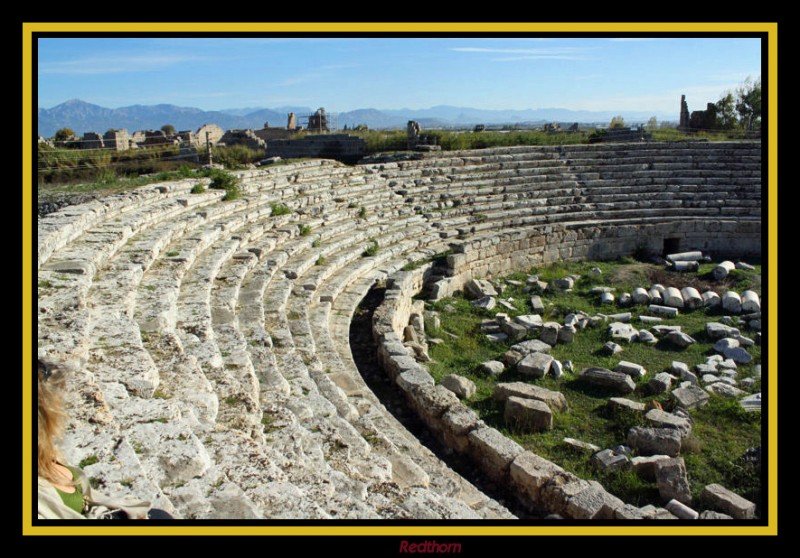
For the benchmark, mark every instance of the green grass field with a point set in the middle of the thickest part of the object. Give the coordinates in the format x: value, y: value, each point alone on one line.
x: 722, y: 431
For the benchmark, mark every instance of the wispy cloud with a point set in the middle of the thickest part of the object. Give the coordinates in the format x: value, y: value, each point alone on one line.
x: 319, y: 72
x: 514, y: 54
x: 633, y: 39
x: 117, y: 64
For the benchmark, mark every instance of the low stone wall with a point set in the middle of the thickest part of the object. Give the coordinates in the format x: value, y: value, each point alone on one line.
x: 542, y: 486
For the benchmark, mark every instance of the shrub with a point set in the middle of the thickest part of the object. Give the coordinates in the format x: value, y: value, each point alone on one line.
x: 305, y: 230
x: 279, y: 209
x: 372, y: 248
x: 362, y: 213
x: 222, y: 180
x: 198, y: 189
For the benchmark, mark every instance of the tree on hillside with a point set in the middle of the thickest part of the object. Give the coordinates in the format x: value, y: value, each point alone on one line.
x: 168, y: 129
x: 64, y: 134
x: 726, y: 113
x: 652, y: 124
x: 748, y: 104
x: 617, y: 122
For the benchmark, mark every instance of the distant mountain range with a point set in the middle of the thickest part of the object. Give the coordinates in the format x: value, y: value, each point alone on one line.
x: 86, y: 117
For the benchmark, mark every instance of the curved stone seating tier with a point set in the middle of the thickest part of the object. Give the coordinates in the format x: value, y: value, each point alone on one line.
x: 217, y: 377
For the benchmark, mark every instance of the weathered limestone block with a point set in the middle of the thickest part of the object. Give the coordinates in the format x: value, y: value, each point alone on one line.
x: 725, y: 390
x: 549, y: 333
x: 530, y: 473
x: 693, y: 256
x: 624, y: 317
x: 744, y: 265
x: 690, y: 397
x: 579, y: 445
x: 732, y: 302
x: 661, y: 382
x: 712, y: 515
x: 738, y: 355
x: 593, y: 503
x: 662, y: 310
x: 531, y: 346
x: 716, y: 330
x: 493, y: 451
x: 531, y: 322
x: 722, y: 270
x: 554, y: 399
x: 673, y: 298
x: 645, y: 465
x: 725, y: 343
x: 751, y: 402
x: 606, y: 461
x: 535, y: 365
x: 479, y: 288
x: 456, y: 424
x: 606, y: 298
x: 529, y: 415
x: 463, y: 387
x: 711, y: 299
x: 679, y: 339
x: 672, y: 480
x: 655, y: 441
x: 636, y: 371
x: 566, y: 334
x: 606, y: 378
x: 620, y: 331
x: 656, y: 296
x: 661, y: 419
x: 681, y: 511
x: 537, y: 306
x: 416, y: 377
x: 514, y: 331
x: 622, y: 404
x: 685, y: 266
x: 646, y: 337
x: 720, y: 498
x: 691, y: 298
x: 487, y: 303
x: 493, y: 368
x: 640, y: 296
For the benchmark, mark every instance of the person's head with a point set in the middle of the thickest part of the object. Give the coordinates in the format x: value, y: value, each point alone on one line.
x: 51, y: 416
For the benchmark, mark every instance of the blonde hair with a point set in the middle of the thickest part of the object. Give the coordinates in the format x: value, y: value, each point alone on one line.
x: 52, y: 419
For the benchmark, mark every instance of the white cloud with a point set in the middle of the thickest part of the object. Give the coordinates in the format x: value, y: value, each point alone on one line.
x: 117, y: 64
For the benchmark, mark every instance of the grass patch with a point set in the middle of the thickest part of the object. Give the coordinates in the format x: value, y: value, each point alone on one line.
x: 371, y: 249
x: 279, y: 209
x: 362, y: 213
x: 198, y: 189
x: 305, y: 230
x: 172, y: 254
x: 317, y: 243
x: 89, y: 460
x: 722, y: 431
x: 320, y: 260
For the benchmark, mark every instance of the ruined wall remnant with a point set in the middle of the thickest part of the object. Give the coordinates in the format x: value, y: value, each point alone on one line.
x: 704, y: 119
x: 244, y: 137
x: 214, y: 132
x: 291, y: 123
x: 684, y: 116
x: 417, y: 140
x: 318, y: 121
x: 117, y: 139
x: 92, y: 140
x: 342, y: 147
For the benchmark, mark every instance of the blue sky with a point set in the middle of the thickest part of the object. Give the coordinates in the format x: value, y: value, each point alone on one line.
x: 343, y: 74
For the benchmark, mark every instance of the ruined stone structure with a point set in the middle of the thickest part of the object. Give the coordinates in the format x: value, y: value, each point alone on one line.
x: 418, y: 141
x: 704, y: 119
x: 211, y: 131
x: 684, y: 116
x: 216, y: 376
x: 157, y: 137
x: 92, y: 140
x: 243, y: 137
x: 117, y: 139
x: 318, y: 122
x: 342, y: 147
x: 291, y: 123
x: 614, y: 135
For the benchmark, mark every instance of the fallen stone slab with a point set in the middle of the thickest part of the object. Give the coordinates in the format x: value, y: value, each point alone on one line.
x: 549, y: 332
x: 497, y: 337
x: 622, y: 404
x: 745, y: 266
x: 725, y: 343
x: 490, y: 326
x: 665, y: 329
x: 554, y: 399
x: 620, y: 331
x: 606, y: 298
x: 611, y: 349
x: 606, y: 378
x: 493, y: 367
x: 655, y: 441
x: 606, y: 461
x: 625, y: 299
x: 660, y: 383
x: 706, y: 369
x: 531, y: 346
x: 679, y: 339
x: 645, y: 465
x: 709, y: 378
x: 725, y: 390
x: 530, y: 473
x: 507, y: 305
x: 662, y: 419
x: 716, y: 330
x: 711, y: 299
x: 662, y: 310
x: 672, y: 480
x: 681, y: 511
x: 712, y: 515
x: 530, y: 415
x: 514, y: 331
x: 744, y: 341
x: 579, y: 445
x: 722, y: 270
x: 479, y: 288
x: 685, y: 266
x: 720, y: 498
x: 532, y: 322
x: 691, y: 397
x: 693, y: 256
x: 656, y: 296
x: 565, y: 283
x: 646, y: 337
x: 679, y: 368
x: 463, y: 387
x: 732, y: 302
x: 748, y: 383
x: 634, y: 370
x: 487, y: 303
x: 751, y: 402
x: 556, y: 369
x: 738, y: 355
x: 691, y: 298
x: 566, y: 334
x: 624, y: 317
x: 535, y: 365
x: 493, y: 451
x: 750, y: 302
x: 650, y: 319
